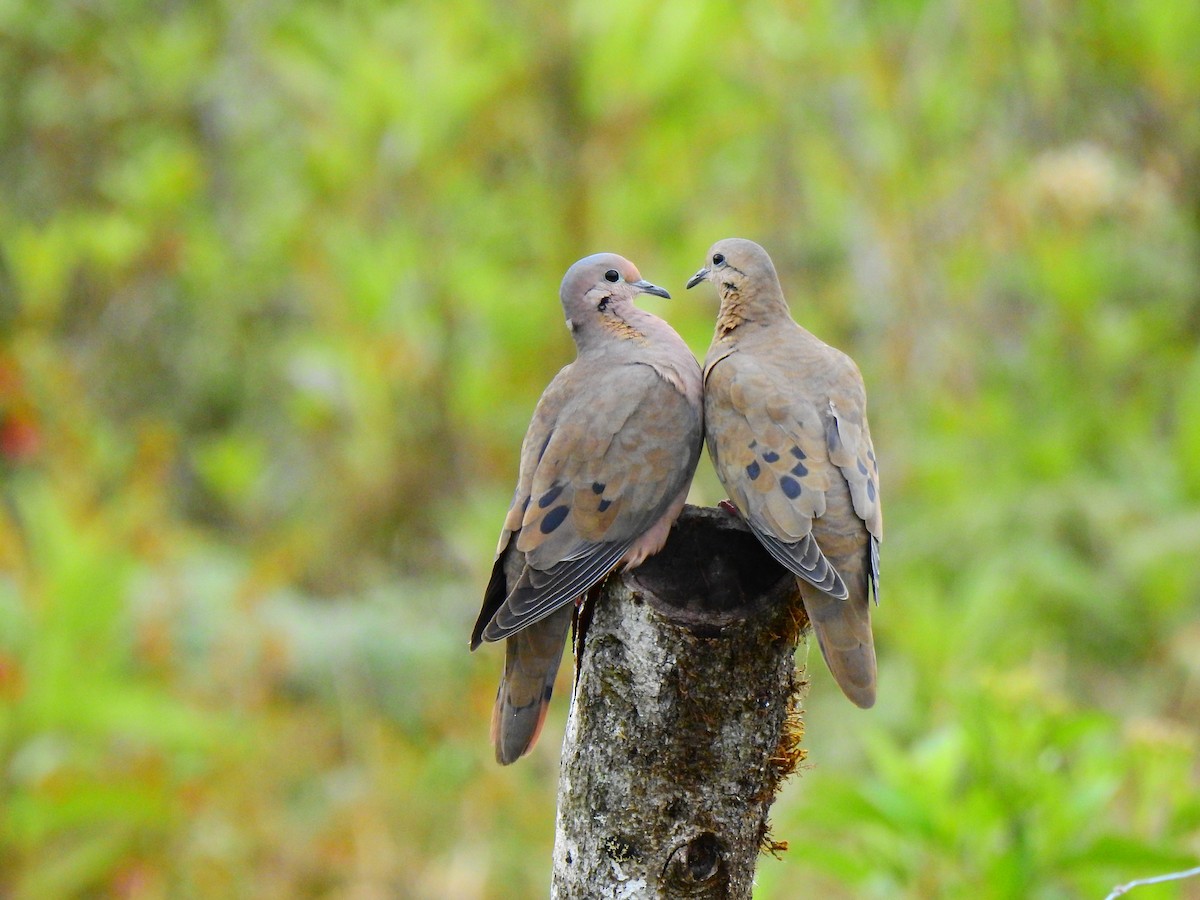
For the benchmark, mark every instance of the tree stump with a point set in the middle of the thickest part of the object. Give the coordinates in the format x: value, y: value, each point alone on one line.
x: 685, y: 719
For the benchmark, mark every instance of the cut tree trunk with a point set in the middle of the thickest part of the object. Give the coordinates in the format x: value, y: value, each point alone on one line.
x: 685, y: 720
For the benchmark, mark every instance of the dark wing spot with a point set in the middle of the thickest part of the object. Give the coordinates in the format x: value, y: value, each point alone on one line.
x: 554, y: 518
x: 604, y: 504
x: 871, y: 488
x: 542, y: 452
x: 525, y: 505
x: 598, y: 487
x: 550, y: 496
x: 861, y: 468
x: 799, y: 470
x: 790, y: 486
x: 798, y: 453
x: 770, y: 456
x: 753, y: 470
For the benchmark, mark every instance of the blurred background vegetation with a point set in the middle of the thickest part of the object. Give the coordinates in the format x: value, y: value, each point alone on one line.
x: 278, y: 294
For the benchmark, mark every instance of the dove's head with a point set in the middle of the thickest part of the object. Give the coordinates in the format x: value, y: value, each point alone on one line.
x: 733, y: 263
x: 597, y: 294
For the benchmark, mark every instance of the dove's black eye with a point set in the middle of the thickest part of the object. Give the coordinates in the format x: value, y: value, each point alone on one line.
x: 718, y: 258
x: 612, y: 275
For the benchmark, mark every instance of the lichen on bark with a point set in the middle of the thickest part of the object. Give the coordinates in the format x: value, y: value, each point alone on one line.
x: 684, y: 722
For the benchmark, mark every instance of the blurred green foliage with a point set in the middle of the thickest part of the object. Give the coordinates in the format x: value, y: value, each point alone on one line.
x: 277, y: 296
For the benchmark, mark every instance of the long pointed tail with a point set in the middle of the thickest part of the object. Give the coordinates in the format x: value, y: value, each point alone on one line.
x: 843, y: 629
x: 531, y: 660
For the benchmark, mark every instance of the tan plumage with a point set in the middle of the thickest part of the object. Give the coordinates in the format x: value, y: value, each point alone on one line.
x: 786, y: 427
x: 605, y: 469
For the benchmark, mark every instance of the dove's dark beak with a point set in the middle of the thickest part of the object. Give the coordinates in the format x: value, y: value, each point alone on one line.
x: 647, y: 288
x: 697, y: 278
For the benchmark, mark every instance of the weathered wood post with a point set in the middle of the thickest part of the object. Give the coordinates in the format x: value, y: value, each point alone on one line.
x: 685, y: 720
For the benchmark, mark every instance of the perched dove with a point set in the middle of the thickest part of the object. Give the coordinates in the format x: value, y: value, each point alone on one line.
x: 786, y: 425
x: 605, y: 469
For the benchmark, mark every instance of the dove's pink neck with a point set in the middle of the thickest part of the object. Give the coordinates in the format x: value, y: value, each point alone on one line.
x: 740, y: 308
x: 623, y: 329
x: 732, y: 313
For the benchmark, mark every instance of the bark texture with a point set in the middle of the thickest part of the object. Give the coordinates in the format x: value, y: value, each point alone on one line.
x: 685, y: 720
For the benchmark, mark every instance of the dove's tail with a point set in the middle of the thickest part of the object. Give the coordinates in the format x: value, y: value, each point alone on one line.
x: 531, y: 660
x: 843, y: 629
